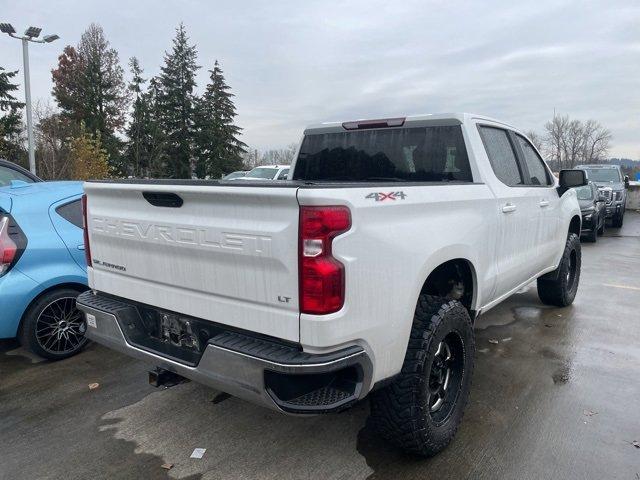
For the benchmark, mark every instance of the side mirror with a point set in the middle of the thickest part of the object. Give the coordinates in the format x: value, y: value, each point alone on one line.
x: 570, y: 179
x: 626, y: 181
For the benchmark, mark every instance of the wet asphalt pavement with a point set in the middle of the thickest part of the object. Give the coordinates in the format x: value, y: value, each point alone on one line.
x: 558, y: 396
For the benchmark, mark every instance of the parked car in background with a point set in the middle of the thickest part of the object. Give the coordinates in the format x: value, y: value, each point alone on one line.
x: 43, y: 266
x: 610, y: 176
x: 267, y: 172
x: 593, y: 210
x: 10, y: 171
x: 361, y: 275
x: 234, y: 175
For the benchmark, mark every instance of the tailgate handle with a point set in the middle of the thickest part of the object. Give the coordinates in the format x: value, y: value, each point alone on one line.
x: 163, y: 199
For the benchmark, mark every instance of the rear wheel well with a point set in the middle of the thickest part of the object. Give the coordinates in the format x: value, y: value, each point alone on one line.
x: 575, y: 225
x: 74, y: 286
x: 453, y: 279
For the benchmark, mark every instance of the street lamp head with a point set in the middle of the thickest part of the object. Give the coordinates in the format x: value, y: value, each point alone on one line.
x: 50, y: 38
x: 7, y: 28
x: 33, y: 32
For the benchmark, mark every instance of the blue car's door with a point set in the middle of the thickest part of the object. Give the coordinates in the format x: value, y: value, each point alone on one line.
x: 66, y: 216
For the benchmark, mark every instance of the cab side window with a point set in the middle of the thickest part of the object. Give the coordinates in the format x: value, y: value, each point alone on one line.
x: 501, y: 155
x: 538, y: 174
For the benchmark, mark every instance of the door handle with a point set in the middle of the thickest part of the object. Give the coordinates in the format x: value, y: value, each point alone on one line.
x: 509, y: 207
x: 81, y: 246
x: 544, y: 203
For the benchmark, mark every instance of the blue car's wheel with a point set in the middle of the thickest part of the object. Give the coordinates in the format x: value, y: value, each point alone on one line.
x: 53, y: 327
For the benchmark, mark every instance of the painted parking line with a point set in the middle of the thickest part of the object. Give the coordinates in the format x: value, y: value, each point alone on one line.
x: 626, y: 287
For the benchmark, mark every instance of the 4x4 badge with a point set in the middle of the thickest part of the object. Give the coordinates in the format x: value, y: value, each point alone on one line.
x: 381, y: 196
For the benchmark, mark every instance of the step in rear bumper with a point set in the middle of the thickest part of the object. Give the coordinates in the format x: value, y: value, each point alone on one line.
x: 248, y: 367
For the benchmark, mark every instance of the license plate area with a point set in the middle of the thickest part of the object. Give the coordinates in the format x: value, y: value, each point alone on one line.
x: 168, y: 334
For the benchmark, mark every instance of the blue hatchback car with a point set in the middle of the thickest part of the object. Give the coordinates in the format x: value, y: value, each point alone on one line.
x: 42, y: 265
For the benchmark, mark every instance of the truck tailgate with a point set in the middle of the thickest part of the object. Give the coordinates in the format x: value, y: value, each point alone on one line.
x: 227, y: 254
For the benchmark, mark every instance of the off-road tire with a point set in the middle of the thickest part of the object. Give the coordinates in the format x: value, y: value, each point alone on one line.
x: 618, y: 220
x: 29, y: 325
x: 400, y: 411
x: 559, y: 287
x: 592, y: 236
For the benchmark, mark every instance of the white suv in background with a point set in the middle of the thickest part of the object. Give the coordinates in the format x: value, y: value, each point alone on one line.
x: 267, y: 172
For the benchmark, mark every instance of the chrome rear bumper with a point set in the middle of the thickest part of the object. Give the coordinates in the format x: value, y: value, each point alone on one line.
x: 261, y: 371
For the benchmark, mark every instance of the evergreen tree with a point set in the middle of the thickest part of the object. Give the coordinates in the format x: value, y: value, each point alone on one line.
x: 157, y: 141
x: 144, y: 148
x: 176, y: 101
x: 219, y: 150
x: 10, y: 117
x: 137, y: 163
x: 89, y: 88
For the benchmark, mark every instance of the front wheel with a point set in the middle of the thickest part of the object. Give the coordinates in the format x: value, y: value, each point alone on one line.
x: 421, y: 410
x: 559, y: 287
x: 53, y: 327
x: 592, y: 236
x: 618, y: 220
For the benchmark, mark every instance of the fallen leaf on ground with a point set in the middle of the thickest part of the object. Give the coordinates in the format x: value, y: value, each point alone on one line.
x: 93, y: 386
x: 508, y: 339
x: 636, y: 444
x: 590, y: 413
x: 548, y: 325
x: 494, y: 341
x: 167, y: 466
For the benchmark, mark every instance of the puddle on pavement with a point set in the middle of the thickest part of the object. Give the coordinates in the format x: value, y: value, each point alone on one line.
x: 563, y: 375
x: 26, y: 354
x: 169, y: 424
x: 221, y: 397
x: 527, y: 313
x: 375, y: 451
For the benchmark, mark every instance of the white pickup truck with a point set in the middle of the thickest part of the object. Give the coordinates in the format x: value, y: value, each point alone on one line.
x: 360, y: 275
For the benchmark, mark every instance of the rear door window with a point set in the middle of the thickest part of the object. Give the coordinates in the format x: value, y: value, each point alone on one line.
x: 538, y: 174
x: 71, y: 212
x: 501, y: 155
x: 412, y: 154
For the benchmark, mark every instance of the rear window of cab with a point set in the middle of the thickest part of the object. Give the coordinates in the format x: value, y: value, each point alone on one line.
x: 411, y: 154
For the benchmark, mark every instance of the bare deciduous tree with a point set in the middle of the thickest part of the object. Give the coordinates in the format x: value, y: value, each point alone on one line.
x: 536, y: 139
x: 568, y: 143
x: 278, y: 156
x: 555, y: 133
x: 53, y: 133
x: 596, y: 142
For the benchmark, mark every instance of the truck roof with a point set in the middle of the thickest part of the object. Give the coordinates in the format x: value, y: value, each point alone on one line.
x: 273, y: 166
x: 414, y: 120
x: 597, y: 166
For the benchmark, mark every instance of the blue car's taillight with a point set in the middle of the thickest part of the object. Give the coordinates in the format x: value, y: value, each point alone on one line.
x: 12, y: 243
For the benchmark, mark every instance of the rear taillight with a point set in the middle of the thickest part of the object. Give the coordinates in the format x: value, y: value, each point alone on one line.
x: 8, y: 248
x: 321, y: 276
x: 85, y: 229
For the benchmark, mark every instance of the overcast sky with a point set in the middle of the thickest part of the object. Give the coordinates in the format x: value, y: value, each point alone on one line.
x: 291, y: 63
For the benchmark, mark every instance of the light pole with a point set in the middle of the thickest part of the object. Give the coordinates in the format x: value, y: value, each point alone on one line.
x: 30, y: 35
